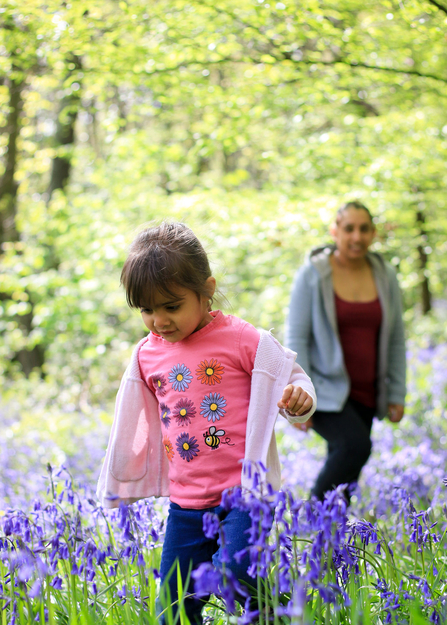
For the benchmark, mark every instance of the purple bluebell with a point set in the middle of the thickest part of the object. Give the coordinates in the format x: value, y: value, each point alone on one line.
x: 35, y: 589
x: 206, y: 580
x: 211, y: 524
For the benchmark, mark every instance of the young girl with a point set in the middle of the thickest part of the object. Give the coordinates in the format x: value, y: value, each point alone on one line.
x: 199, y: 397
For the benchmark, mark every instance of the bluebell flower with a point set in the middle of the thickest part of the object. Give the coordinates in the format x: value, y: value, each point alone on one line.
x: 13, y: 614
x: 294, y: 610
x: 25, y: 571
x: 140, y: 560
x: 211, y: 524
x: 35, y: 589
x: 122, y: 594
x: 56, y: 583
x: 90, y: 574
x: 249, y: 615
x: 206, y: 580
x: 224, y: 555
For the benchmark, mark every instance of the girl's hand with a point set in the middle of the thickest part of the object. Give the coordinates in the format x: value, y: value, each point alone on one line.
x: 295, y: 400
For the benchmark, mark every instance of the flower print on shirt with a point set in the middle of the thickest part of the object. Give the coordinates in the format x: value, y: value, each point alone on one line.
x: 213, y: 406
x: 165, y: 413
x: 168, y: 447
x: 180, y: 376
x: 210, y: 372
x: 187, y: 446
x: 184, y: 411
x: 159, y: 382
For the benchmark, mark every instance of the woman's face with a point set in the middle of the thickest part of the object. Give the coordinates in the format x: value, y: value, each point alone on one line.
x: 353, y: 234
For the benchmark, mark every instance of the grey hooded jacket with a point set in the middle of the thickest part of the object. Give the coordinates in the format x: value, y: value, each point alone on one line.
x: 312, y: 332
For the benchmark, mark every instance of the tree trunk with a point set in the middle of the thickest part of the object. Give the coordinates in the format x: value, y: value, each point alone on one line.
x: 65, y: 131
x: 28, y: 359
x: 8, y: 185
x: 423, y: 260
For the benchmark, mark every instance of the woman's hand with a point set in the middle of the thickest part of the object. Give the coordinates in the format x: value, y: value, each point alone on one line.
x: 395, y: 412
x: 295, y: 400
x: 304, y: 426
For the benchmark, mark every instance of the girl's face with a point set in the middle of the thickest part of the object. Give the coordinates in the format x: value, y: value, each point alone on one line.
x: 353, y: 234
x: 175, y: 318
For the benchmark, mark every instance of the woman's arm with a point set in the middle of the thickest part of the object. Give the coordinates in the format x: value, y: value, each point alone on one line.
x: 396, y: 366
x: 299, y: 321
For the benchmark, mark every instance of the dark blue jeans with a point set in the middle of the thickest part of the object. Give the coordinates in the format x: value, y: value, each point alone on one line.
x: 186, y: 544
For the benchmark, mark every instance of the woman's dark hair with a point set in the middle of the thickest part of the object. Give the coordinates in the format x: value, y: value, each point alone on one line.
x: 354, y: 204
x: 161, y: 258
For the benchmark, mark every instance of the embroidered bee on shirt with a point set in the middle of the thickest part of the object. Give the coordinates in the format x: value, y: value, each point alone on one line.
x: 213, y: 438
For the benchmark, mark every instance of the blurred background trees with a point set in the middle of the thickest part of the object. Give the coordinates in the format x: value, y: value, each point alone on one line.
x: 250, y: 120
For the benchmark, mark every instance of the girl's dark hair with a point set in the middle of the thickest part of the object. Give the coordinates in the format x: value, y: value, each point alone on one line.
x: 354, y: 204
x: 161, y: 258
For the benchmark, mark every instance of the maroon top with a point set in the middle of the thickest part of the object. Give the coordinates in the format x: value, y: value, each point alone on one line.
x: 358, y: 327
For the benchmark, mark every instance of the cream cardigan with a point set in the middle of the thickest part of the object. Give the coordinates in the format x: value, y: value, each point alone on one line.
x: 136, y: 465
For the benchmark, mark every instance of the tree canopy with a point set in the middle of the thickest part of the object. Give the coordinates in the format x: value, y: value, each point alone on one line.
x: 250, y: 120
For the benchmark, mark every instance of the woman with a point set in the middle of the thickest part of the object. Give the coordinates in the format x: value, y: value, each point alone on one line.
x: 345, y: 323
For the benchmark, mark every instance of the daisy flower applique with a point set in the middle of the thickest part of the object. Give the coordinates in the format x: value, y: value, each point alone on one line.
x: 187, y: 446
x: 210, y: 372
x: 213, y: 407
x: 180, y: 377
x: 168, y: 447
x: 159, y: 382
x: 184, y: 411
x: 165, y: 415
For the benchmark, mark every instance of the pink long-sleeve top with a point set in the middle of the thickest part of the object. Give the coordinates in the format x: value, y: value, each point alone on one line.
x: 202, y: 385
x: 136, y: 463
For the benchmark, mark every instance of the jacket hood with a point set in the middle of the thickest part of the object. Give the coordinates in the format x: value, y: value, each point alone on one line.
x: 319, y: 258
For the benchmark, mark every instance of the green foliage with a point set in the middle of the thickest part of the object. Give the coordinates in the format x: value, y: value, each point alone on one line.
x: 250, y: 121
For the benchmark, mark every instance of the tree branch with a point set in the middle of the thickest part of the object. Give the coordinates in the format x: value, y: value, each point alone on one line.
x: 438, y: 6
x: 354, y: 65
x: 288, y: 56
